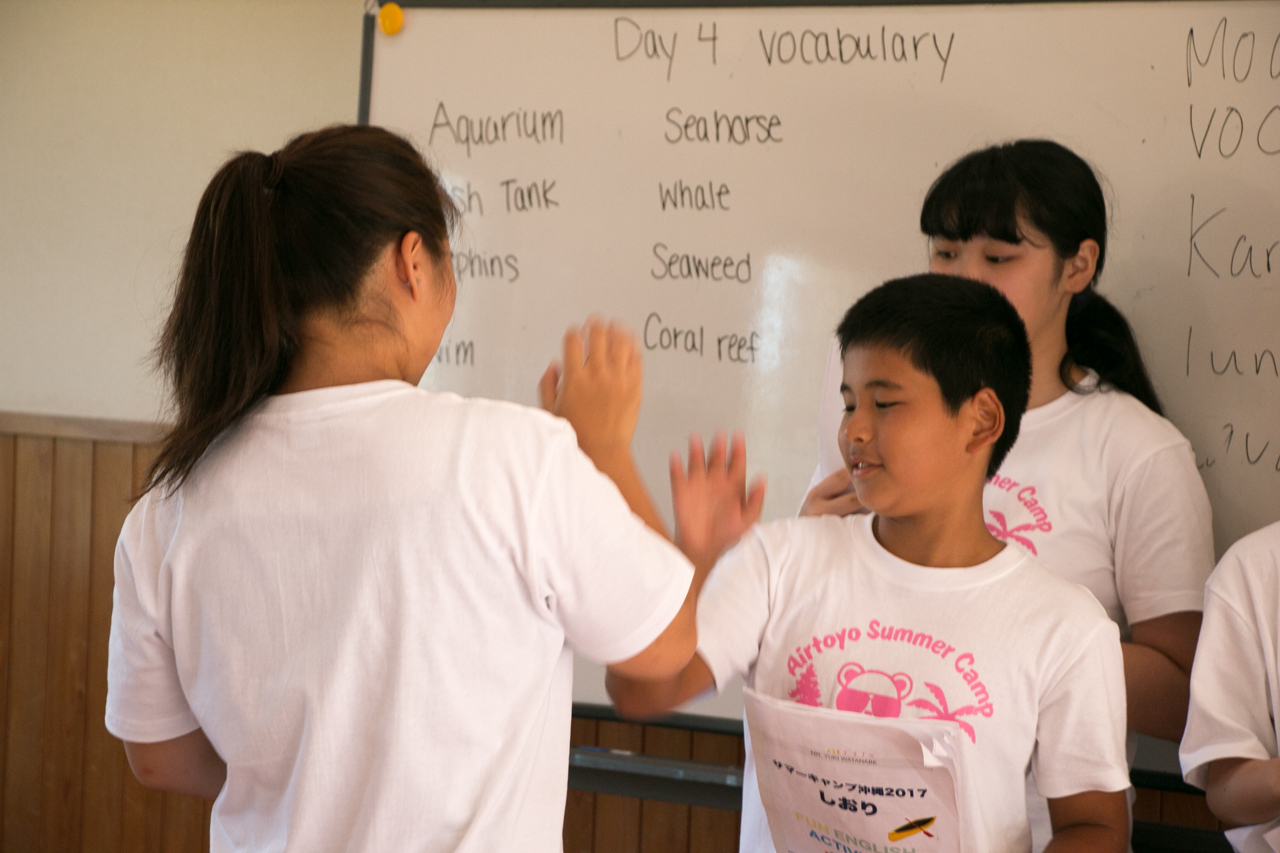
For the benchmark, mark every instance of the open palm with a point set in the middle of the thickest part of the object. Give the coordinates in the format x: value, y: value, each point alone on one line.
x: 713, y: 505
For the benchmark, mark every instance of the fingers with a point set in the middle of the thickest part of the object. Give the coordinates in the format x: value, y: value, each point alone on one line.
x: 572, y: 351
x: 836, y: 483
x: 719, y: 453
x: 738, y: 458
x: 846, y: 504
x: 547, y: 387
x: 755, y: 502
x: 697, y: 462
x: 622, y: 345
x: 676, y: 465
x: 597, y: 343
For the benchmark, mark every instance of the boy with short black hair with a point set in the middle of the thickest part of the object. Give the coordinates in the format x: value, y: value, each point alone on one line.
x: 917, y: 611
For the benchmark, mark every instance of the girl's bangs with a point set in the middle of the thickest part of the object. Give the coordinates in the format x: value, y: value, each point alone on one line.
x: 975, y: 197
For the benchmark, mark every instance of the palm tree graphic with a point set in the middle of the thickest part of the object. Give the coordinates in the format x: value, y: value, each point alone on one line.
x: 945, y: 713
x: 1004, y: 534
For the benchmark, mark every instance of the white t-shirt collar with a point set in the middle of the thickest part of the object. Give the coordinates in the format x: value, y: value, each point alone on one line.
x: 327, y: 400
x: 1063, y: 404
x: 910, y: 574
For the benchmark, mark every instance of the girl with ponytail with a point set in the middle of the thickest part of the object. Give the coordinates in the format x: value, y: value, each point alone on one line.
x: 345, y: 607
x: 1099, y: 486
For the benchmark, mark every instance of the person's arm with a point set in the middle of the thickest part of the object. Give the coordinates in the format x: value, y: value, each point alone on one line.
x: 598, y: 392
x: 641, y: 698
x: 713, y: 508
x: 184, y: 765
x: 707, y: 514
x: 1163, y: 557
x: 1244, y: 791
x: 1079, y: 760
x: 1229, y: 747
x: 597, y: 389
x: 1089, y: 822
x: 1157, y: 673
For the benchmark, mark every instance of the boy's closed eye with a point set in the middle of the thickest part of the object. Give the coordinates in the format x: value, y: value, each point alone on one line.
x: 850, y: 408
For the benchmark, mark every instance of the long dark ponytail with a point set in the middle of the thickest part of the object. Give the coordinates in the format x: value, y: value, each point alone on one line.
x: 275, y: 239
x: 1052, y: 188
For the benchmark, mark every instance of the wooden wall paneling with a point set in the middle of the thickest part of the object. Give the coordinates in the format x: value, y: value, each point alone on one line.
x: 143, y: 456
x: 1190, y: 810
x: 133, y: 815
x: 617, y: 824
x: 104, y: 760
x: 580, y: 806
x: 664, y: 827
x: 6, y: 590
x: 68, y: 642
x: 1146, y: 805
x: 184, y: 827
x: 28, y: 637
x: 714, y: 830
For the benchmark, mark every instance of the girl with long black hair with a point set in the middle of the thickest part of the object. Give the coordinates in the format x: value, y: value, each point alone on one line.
x: 345, y: 607
x: 1099, y: 486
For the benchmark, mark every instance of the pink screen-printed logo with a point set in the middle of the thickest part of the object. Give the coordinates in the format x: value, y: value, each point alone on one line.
x: 1029, y: 501
x: 1004, y: 533
x: 941, y: 711
x: 807, y: 691
x: 870, y: 691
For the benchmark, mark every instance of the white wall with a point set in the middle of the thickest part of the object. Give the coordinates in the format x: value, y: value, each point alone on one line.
x: 113, y: 116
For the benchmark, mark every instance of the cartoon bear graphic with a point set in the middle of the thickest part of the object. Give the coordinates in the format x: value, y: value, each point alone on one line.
x: 870, y: 691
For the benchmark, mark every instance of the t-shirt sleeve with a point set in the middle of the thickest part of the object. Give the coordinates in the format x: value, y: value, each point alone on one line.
x: 145, y: 700
x: 1080, y: 733
x: 1230, y: 712
x: 733, y: 610
x: 1164, y: 536
x: 612, y: 583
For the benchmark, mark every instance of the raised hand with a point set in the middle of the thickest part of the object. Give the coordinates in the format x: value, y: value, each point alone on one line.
x: 597, y: 388
x: 713, y: 505
x: 833, y: 496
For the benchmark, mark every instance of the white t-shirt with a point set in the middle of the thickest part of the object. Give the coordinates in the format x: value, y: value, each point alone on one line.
x: 366, y: 597
x: 1235, y: 682
x: 1101, y: 490
x: 1026, y: 665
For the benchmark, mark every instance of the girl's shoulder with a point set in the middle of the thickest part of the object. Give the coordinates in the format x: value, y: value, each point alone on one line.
x: 1106, y: 418
x: 149, y: 531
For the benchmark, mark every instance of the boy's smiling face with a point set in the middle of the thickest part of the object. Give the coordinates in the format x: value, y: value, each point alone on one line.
x: 906, y: 451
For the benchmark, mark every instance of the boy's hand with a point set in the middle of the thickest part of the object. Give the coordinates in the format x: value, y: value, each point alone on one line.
x: 713, y: 506
x: 598, y: 389
x: 833, y: 496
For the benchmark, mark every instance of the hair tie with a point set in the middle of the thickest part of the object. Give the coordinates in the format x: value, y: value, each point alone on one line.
x: 274, y: 170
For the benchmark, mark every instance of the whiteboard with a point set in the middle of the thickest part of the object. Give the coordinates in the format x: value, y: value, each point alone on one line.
x: 729, y: 180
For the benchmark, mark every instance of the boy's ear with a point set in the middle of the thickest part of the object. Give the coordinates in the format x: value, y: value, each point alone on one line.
x: 987, y: 417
